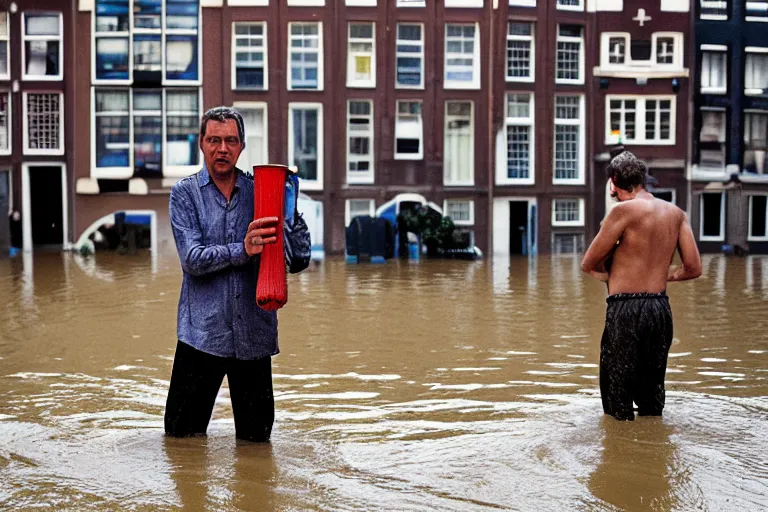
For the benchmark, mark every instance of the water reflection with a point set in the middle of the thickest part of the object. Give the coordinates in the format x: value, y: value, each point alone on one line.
x: 636, y: 469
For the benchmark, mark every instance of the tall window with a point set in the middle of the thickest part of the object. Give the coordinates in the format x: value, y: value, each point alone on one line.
x: 410, y: 56
x: 458, y: 144
x: 255, y: 124
x: 249, y: 54
x: 621, y: 50
x: 755, y: 141
x: 569, y: 145
x: 570, y: 43
x: 462, y: 57
x: 160, y: 46
x: 568, y: 212
x: 4, y: 37
x: 640, y: 119
x: 756, y: 72
x: 5, y: 123
x: 712, y: 139
x: 360, y: 141
x: 712, y: 217
x: 361, y: 55
x: 714, y: 69
x: 42, y: 48
x: 43, y: 124
x: 758, y: 218
x: 305, y: 56
x: 305, y: 143
x: 409, y: 131
x: 520, y: 52
x: 519, y: 138
x: 146, y: 132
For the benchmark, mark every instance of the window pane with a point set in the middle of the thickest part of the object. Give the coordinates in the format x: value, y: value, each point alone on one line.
x: 182, y: 140
x: 42, y: 58
x: 147, y: 13
x: 146, y: 53
x: 43, y: 118
x: 112, y: 130
x: 181, y: 58
x: 112, y: 58
x: 4, y: 106
x: 112, y: 16
x: 147, y: 140
x: 4, y: 58
x: 305, y: 135
x: 181, y: 14
x: 518, y: 152
x: 41, y: 25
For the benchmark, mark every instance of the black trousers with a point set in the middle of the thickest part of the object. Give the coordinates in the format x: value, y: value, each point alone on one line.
x: 195, y: 382
x: 633, y: 354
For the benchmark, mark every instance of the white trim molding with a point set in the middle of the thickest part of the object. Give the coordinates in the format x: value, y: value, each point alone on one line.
x: 316, y: 184
x: 24, y: 38
x: 640, y: 106
x: 579, y: 210
x: 264, y: 107
x: 471, y: 206
x: 348, y: 208
x: 758, y: 238
x: 721, y: 236
x: 25, y: 125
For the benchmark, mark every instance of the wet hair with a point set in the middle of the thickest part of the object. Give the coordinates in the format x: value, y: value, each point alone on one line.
x: 627, y: 171
x: 222, y: 114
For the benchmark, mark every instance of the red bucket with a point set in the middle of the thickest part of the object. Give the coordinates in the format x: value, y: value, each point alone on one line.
x: 269, y: 201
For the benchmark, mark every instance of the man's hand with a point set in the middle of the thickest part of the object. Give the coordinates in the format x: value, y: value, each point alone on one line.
x: 600, y: 276
x: 260, y: 233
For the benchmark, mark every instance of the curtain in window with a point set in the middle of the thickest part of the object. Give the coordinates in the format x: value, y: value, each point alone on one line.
x: 457, y: 157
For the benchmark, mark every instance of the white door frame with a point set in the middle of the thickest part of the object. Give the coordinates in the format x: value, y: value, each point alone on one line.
x: 500, y: 241
x: 26, y: 203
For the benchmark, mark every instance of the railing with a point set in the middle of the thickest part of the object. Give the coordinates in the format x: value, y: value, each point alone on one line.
x: 714, y: 9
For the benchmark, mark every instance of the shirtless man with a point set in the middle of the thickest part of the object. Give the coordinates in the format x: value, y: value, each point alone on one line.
x: 639, y: 235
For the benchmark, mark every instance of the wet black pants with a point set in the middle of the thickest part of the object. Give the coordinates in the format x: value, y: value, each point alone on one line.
x: 633, y: 354
x: 195, y: 382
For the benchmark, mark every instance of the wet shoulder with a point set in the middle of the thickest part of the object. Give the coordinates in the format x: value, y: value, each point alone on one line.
x: 184, y: 184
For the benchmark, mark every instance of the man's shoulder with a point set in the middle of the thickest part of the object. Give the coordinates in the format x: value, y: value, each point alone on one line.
x: 186, y: 183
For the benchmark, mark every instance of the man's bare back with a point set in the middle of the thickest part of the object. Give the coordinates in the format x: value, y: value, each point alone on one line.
x: 648, y: 231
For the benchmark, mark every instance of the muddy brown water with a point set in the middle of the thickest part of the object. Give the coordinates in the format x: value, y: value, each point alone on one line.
x: 431, y: 386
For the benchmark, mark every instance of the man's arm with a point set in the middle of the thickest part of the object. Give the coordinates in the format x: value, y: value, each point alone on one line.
x: 198, y: 259
x: 610, y: 231
x: 689, y: 253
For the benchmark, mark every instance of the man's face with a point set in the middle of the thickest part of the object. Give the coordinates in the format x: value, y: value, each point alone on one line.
x: 221, y: 146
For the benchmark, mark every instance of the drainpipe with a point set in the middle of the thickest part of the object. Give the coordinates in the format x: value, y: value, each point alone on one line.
x: 70, y: 97
x: 491, y: 146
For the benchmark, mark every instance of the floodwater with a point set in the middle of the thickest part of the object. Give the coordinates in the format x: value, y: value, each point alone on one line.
x: 431, y: 386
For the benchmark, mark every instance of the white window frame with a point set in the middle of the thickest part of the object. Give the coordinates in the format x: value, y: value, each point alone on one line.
x: 163, y: 32
x: 578, y: 8
x: 410, y: 156
x: 569, y: 39
x: 9, y: 123
x: 470, y: 202
x: 522, y: 3
x: 721, y: 237
x: 320, y: 60
x: 361, y: 3
x: 306, y: 3
x: 25, y: 38
x: 263, y: 24
x: 410, y: 55
x: 605, y: 51
x: 411, y: 3
x: 714, y: 49
x: 458, y: 84
x: 360, y: 178
x: 264, y: 107
x: 640, y: 101
x: 502, y: 177
x: 25, y: 126
x: 562, y: 223
x: 351, y: 81
x: 751, y: 238
x: 581, y: 123
x: 752, y: 50
x: 670, y: 190
x: 458, y: 4
x: 7, y: 39
x: 248, y: 3
x: 348, y: 208
x: 446, y: 119
x: 532, y: 40
x: 176, y: 171
x: 759, y: 19
x: 316, y: 184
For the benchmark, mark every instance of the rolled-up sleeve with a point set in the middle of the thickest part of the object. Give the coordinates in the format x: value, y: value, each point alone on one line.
x: 198, y: 259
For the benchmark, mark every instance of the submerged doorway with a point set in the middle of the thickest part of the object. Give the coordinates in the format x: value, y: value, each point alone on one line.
x: 44, y: 203
x: 518, y: 230
x: 5, y: 207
